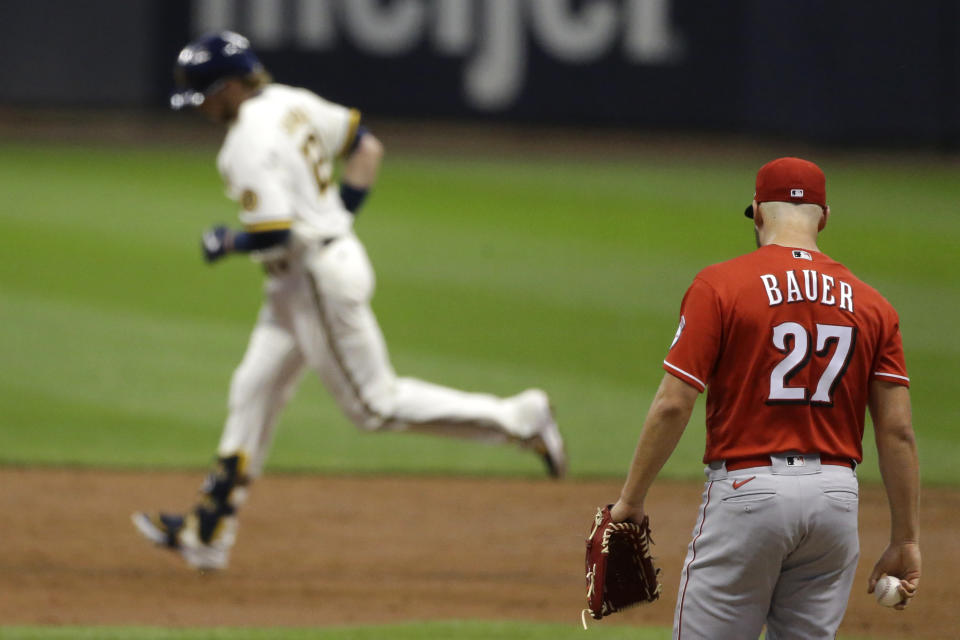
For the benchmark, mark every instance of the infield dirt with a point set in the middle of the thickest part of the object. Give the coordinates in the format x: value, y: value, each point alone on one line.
x: 321, y: 550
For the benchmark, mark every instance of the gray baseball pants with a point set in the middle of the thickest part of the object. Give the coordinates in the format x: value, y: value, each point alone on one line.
x: 774, y: 546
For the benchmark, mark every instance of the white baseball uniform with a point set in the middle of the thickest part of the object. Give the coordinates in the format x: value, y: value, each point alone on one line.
x: 277, y: 163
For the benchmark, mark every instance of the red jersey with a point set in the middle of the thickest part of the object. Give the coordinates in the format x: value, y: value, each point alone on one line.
x: 786, y: 341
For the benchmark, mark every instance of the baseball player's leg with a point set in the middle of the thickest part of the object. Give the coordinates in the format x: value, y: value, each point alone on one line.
x: 361, y: 378
x: 260, y: 387
x: 732, y: 561
x: 344, y: 343
x: 811, y: 596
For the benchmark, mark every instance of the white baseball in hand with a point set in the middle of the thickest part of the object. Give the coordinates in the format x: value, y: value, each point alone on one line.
x: 887, y: 591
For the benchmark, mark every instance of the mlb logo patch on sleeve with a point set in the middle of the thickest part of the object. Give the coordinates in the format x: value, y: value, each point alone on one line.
x: 800, y: 254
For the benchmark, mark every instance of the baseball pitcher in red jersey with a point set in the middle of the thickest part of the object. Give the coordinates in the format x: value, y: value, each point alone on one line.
x: 792, y: 348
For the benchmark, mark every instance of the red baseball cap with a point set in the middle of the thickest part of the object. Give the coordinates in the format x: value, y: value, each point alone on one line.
x: 791, y: 180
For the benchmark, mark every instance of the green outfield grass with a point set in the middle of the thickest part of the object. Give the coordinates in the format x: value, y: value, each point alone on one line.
x: 410, y: 631
x: 493, y: 274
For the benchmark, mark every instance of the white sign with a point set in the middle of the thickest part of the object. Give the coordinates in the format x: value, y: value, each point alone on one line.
x: 489, y: 35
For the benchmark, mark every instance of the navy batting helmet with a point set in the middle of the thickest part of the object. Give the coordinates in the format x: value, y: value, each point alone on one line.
x: 207, y: 61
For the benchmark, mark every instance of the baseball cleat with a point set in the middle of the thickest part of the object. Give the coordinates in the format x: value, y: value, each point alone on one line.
x: 549, y: 444
x: 162, y: 530
x: 180, y: 534
x: 546, y: 440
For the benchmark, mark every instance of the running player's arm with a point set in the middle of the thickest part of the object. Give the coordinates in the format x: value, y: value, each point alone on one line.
x: 343, y: 136
x: 899, y: 467
x: 363, y: 157
x: 254, y: 179
x: 221, y: 240
x: 668, y: 417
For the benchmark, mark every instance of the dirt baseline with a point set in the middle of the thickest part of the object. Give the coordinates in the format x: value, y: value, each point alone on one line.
x: 319, y: 550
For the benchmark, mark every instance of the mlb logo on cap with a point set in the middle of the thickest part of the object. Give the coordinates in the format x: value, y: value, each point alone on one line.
x: 792, y: 180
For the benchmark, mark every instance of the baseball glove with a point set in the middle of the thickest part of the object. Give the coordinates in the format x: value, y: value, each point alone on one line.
x: 620, y: 570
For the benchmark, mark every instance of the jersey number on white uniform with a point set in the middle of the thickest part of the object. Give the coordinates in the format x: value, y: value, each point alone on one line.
x: 793, y: 339
x: 312, y: 152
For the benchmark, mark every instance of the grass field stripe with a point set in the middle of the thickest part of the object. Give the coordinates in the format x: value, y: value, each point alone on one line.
x: 81, y: 388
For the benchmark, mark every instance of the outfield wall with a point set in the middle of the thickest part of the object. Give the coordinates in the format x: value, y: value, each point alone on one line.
x: 858, y: 71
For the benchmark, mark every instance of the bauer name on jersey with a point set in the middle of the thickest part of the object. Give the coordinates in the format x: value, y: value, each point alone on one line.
x: 277, y: 163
